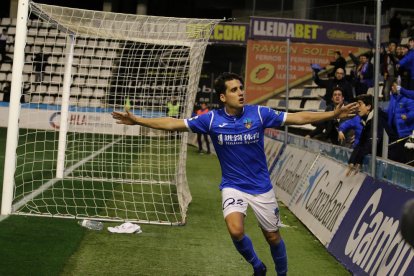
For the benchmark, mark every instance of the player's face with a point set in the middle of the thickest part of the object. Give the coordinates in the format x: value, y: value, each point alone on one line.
x: 234, y: 95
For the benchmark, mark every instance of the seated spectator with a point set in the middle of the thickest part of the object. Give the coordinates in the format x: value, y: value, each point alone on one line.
x: 339, y: 62
x: 352, y: 126
x: 327, y: 131
x: 365, y: 111
x: 338, y: 81
x: 364, y: 74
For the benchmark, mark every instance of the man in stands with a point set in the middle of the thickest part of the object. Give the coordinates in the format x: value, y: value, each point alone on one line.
x: 203, y: 110
x: 327, y: 131
x: 339, y: 62
x: 364, y: 75
x: 338, y: 81
x: 407, y: 62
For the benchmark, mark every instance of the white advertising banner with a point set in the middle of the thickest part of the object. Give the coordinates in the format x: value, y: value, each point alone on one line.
x: 288, y: 172
x: 85, y: 122
x: 272, y: 149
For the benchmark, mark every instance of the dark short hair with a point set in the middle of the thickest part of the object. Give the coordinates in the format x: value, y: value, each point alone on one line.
x: 338, y: 88
x: 220, y: 82
x: 411, y: 39
x: 338, y: 53
x: 367, y: 99
x: 365, y: 55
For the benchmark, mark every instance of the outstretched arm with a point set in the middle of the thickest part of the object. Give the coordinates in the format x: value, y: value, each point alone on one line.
x: 163, y: 123
x: 302, y: 118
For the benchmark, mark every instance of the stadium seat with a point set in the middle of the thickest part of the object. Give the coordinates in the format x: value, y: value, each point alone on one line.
x: 36, y: 99
x: 84, y: 61
x: 73, y: 101
x: 87, y: 92
x: 295, y: 105
x: 99, y: 93
x: 6, y: 21
x: 58, y: 101
x: 89, y: 52
x: 53, y: 32
x: 39, y: 40
x: 102, y: 53
x: 75, y: 91
x: 322, y: 105
x: 3, y: 76
x: 273, y: 103
x: 57, y: 79
x: 41, y: 89
x: 312, y: 105
x: 105, y: 73
x: 81, y: 42
x: 78, y: 51
x: 95, y: 103
x: 49, y: 100
x: 96, y: 62
x: 11, y: 31
x: 53, y: 90
x: 83, y: 71
x: 111, y: 54
x: 32, y: 31
x: 1, y: 96
x: 107, y: 63
x: 6, y: 67
x: 9, y: 77
x: 83, y: 102
x: 43, y: 32
x: 91, y: 81
x: 94, y: 72
x: 102, y: 82
x: 296, y: 93
x: 79, y: 81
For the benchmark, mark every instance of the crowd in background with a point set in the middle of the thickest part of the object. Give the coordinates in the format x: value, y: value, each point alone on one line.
x: 396, y: 113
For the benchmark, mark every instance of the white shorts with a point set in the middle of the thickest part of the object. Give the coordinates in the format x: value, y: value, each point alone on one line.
x: 264, y: 206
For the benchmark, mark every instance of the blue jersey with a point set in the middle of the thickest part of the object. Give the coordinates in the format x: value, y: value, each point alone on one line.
x: 239, y: 144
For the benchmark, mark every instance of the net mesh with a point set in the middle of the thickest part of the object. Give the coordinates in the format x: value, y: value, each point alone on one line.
x: 111, y: 172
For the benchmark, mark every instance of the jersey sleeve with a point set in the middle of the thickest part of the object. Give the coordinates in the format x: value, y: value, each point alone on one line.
x: 201, y: 123
x: 270, y: 117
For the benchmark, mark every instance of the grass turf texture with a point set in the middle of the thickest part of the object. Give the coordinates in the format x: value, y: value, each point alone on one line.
x: 42, y: 246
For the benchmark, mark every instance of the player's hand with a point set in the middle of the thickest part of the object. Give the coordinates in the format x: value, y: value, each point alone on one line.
x: 126, y: 118
x: 346, y: 111
x: 353, y: 169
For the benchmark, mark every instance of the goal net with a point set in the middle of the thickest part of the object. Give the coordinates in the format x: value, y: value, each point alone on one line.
x: 72, y: 159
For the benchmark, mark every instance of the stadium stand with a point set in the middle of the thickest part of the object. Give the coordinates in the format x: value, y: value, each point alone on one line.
x: 93, y: 64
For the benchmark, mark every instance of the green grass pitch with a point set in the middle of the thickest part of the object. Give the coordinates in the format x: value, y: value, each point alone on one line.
x: 45, y: 246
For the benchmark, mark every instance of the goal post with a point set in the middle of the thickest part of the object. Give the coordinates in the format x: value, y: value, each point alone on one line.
x: 71, y: 159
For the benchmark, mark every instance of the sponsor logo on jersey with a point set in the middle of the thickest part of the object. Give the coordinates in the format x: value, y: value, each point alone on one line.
x: 247, y: 123
x: 223, y: 125
x: 220, y: 139
x: 193, y: 118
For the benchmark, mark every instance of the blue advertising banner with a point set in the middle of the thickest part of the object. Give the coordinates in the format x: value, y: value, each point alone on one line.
x: 368, y: 241
x: 310, y: 31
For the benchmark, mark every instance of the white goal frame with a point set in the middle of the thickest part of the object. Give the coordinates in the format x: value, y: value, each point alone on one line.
x: 9, y: 205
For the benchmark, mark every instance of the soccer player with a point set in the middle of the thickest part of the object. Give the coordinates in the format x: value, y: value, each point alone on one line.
x: 237, y: 132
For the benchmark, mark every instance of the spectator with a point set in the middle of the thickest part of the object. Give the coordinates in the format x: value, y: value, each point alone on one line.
x: 3, y: 43
x: 396, y: 28
x: 40, y: 61
x: 173, y: 108
x: 407, y: 62
x: 203, y: 110
x: 401, y: 121
x: 339, y: 62
x: 365, y: 111
x: 403, y: 73
x: 363, y: 77
x: 338, y: 81
x: 352, y: 130
x: 389, y: 69
x: 327, y: 131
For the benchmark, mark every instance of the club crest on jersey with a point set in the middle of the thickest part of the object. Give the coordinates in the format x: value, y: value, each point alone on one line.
x: 247, y: 123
